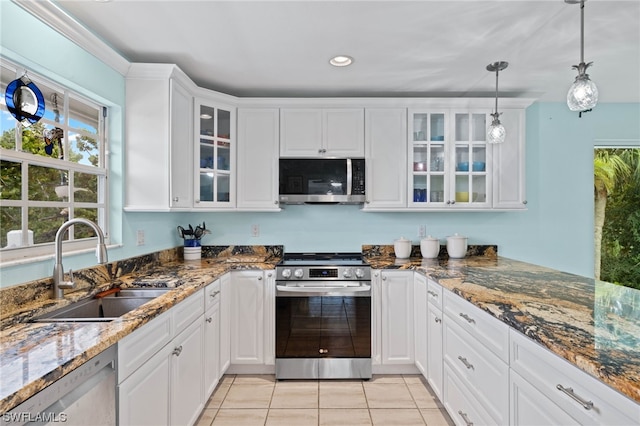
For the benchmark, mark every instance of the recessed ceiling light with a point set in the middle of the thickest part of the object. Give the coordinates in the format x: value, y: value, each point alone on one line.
x: 341, y: 61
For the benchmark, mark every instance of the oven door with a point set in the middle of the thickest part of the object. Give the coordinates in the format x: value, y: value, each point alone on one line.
x: 323, y: 331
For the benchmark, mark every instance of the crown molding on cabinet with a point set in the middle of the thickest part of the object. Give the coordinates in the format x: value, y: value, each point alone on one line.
x: 66, y: 25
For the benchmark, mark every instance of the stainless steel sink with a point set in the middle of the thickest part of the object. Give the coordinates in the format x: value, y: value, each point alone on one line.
x: 104, y: 309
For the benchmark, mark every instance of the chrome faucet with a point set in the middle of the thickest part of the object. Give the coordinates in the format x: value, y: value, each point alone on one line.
x: 58, y: 271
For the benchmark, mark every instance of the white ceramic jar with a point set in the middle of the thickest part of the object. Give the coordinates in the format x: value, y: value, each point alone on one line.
x: 457, y: 246
x: 430, y: 247
x: 402, y: 248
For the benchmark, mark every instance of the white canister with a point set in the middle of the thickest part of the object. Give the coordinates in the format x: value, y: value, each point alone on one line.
x: 457, y: 246
x: 402, y: 248
x: 430, y: 247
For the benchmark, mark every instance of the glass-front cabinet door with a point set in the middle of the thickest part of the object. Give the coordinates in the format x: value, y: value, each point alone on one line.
x: 427, y: 159
x: 215, y: 155
x: 471, y: 183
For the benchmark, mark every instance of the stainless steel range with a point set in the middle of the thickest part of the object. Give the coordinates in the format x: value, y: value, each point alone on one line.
x: 323, y: 316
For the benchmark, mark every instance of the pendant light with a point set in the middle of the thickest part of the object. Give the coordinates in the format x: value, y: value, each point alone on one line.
x: 583, y: 93
x: 496, y: 132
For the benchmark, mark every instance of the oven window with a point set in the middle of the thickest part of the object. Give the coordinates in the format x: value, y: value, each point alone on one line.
x: 323, y: 326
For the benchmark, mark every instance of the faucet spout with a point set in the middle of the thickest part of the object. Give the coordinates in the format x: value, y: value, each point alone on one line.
x: 58, y: 270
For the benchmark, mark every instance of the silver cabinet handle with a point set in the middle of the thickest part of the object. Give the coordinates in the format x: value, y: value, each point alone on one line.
x: 438, y: 319
x: 269, y: 274
x: 259, y: 278
x: 214, y: 294
x: 209, y: 320
x: 587, y: 405
x: 465, y: 418
x: 465, y: 362
x: 433, y: 293
x: 468, y: 318
x: 177, y: 351
x: 384, y: 278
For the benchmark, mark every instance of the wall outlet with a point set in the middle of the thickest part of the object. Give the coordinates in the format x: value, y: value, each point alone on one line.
x: 140, y: 237
x: 422, y: 231
x: 255, y: 230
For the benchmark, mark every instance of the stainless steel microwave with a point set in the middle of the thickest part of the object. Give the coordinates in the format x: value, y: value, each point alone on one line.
x: 322, y: 180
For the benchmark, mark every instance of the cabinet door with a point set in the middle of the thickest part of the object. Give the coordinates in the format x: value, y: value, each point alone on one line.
x: 343, y: 132
x: 530, y: 407
x: 386, y: 130
x: 428, y: 166
x: 215, y: 155
x: 508, y: 163
x: 181, y: 180
x: 397, y: 318
x: 434, y: 349
x: 143, y: 398
x: 187, y: 381
x: 225, y: 323
x: 420, y: 321
x: 258, y: 139
x: 211, y: 349
x: 470, y: 157
x: 300, y: 132
x: 247, y: 317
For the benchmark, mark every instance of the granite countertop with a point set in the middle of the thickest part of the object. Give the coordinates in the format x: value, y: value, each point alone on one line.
x: 594, y: 325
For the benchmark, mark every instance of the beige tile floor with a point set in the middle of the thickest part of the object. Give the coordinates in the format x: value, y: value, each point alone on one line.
x: 383, y: 400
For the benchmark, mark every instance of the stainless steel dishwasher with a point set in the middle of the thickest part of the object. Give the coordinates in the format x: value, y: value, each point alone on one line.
x: 86, y: 396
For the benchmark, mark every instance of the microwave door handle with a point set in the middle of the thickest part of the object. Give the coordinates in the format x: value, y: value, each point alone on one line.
x: 349, y: 176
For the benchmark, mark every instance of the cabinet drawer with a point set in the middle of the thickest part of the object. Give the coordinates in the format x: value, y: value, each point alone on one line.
x: 460, y: 404
x: 212, y: 294
x: 136, y: 348
x: 434, y: 293
x: 482, y: 372
x: 185, y: 312
x: 582, y: 396
x: 489, y: 330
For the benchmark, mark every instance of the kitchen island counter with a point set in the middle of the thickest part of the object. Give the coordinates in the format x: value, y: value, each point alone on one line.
x: 593, y: 324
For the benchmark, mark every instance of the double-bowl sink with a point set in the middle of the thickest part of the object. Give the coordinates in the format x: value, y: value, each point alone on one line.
x: 103, y: 309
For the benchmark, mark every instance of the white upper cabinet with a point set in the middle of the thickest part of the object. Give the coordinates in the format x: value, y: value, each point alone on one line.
x: 215, y: 154
x: 386, y: 180
x: 322, y: 132
x: 258, y: 139
x: 158, y: 134
x: 509, y: 164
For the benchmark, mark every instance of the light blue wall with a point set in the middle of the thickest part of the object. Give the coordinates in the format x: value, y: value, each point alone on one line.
x: 555, y: 231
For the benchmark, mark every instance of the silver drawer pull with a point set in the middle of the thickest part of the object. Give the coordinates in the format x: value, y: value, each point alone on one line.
x: 433, y: 293
x: 438, y: 319
x: 215, y: 293
x: 177, y: 351
x: 209, y: 320
x: 465, y: 418
x: 465, y: 362
x: 468, y: 318
x: 588, y: 405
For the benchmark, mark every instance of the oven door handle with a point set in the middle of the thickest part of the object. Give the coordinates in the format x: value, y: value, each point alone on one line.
x: 283, y: 290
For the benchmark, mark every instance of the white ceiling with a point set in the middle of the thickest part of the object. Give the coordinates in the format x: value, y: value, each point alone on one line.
x: 401, y: 48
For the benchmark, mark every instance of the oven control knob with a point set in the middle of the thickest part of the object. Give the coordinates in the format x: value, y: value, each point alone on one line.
x: 347, y: 273
x: 298, y: 273
x: 286, y: 273
x: 359, y: 273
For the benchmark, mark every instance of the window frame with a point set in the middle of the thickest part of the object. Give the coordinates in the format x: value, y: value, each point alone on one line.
x: 28, y: 253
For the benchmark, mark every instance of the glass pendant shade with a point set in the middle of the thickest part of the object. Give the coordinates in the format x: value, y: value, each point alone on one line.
x: 583, y: 94
x: 496, y: 132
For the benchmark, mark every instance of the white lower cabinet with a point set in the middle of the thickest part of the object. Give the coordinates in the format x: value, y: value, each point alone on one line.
x: 463, y: 408
x: 211, y: 338
x: 165, y: 385
x: 557, y: 392
x: 397, y: 335
x: 420, y: 326
x: 434, y: 338
x: 225, y: 323
x: 252, y: 327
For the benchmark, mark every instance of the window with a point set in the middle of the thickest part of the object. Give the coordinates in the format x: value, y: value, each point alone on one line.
x: 51, y: 171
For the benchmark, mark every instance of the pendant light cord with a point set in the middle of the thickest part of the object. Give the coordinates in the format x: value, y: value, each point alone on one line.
x: 581, y: 31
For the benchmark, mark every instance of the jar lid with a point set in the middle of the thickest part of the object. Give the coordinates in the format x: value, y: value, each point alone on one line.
x: 402, y: 239
x: 430, y: 238
x: 457, y: 236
